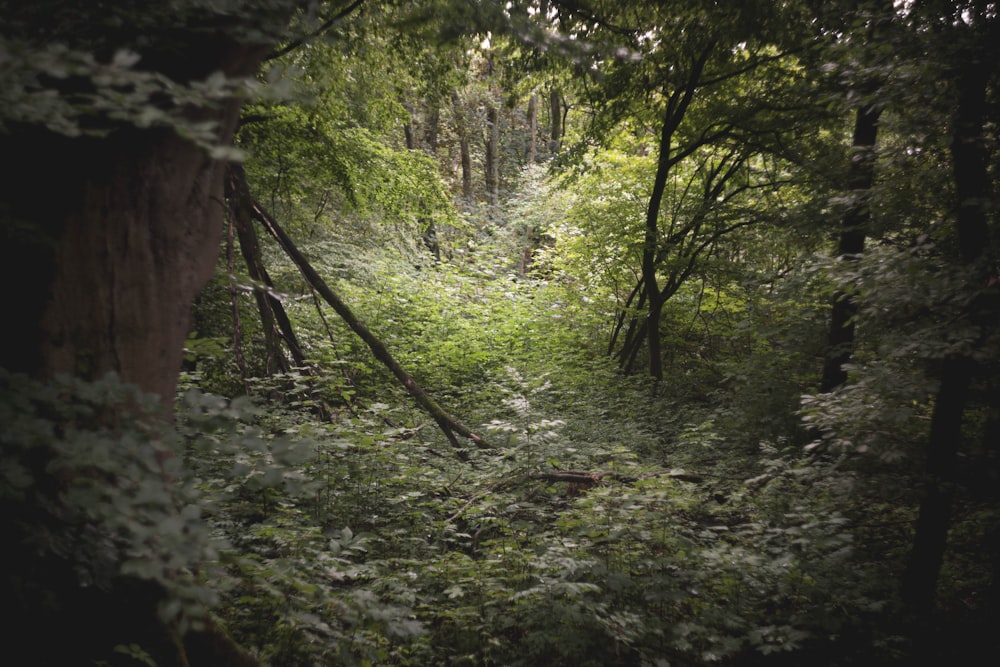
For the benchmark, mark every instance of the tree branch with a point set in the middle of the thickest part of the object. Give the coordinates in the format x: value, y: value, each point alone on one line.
x: 448, y: 424
x: 308, y: 37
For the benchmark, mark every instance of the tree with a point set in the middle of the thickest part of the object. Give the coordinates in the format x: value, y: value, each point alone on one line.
x: 682, y: 75
x: 973, y: 58
x: 926, y: 302
x: 860, y: 178
x: 127, y: 111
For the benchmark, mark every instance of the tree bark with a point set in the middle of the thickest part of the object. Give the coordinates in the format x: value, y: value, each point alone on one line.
x: 131, y: 239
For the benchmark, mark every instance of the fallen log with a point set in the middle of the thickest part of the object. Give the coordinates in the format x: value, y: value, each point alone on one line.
x: 446, y: 422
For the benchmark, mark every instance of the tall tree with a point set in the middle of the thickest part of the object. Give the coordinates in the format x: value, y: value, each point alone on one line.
x: 672, y: 85
x: 969, y: 38
x: 875, y: 19
x: 531, y: 151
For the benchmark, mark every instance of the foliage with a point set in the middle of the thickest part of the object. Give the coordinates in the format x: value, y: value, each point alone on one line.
x: 94, y: 494
x: 726, y: 514
x: 446, y: 562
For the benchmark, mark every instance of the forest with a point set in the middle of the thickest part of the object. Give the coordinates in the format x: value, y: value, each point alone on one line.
x: 540, y: 332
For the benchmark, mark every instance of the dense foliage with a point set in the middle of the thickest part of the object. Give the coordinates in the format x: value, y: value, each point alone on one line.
x: 609, y: 240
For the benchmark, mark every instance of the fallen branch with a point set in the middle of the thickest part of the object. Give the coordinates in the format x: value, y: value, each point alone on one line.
x: 573, y: 477
x: 448, y: 424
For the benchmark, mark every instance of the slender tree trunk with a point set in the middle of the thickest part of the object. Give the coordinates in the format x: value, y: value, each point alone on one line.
x: 555, y: 119
x: 432, y: 130
x: 408, y: 136
x: 840, y: 342
x: 234, y: 306
x: 493, y: 153
x: 637, y: 291
x: 930, y: 537
x: 972, y: 187
x: 630, y: 352
x: 465, y: 151
x: 677, y: 107
x: 651, y: 246
x: 879, y: 15
x: 530, y: 154
x: 466, y: 161
x: 274, y: 356
x: 276, y: 324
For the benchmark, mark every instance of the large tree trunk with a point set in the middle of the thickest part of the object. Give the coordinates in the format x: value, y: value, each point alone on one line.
x: 124, y: 232
x: 108, y: 240
x: 135, y: 231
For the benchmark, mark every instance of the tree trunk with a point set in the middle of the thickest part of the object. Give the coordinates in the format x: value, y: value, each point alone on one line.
x: 111, y: 238
x: 408, y: 136
x: 234, y: 308
x: 650, y: 248
x: 466, y: 161
x: 623, y: 315
x: 972, y: 187
x: 134, y: 235
x: 532, y: 149
x: 879, y: 16
x: 432, y: 130
x: 493, y: 153
x: 930, y: 537
x: 274, y: 319
x: 555, y: 120
x: 465, y: 151
x: 677, y: 107
x: 861, y: 175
